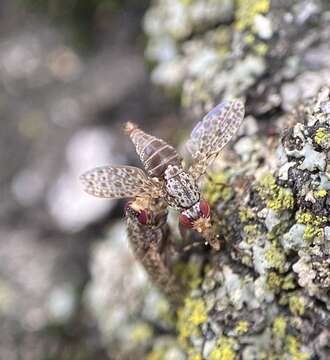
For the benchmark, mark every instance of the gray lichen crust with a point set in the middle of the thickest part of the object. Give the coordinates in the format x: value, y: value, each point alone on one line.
x: 268, y: 297
x: 207, y: 50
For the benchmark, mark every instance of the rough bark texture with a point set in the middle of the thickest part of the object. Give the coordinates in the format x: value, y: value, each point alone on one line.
x: 265, y: 294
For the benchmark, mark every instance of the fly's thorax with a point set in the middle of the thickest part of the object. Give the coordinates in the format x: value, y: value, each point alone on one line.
x: 181, y: 188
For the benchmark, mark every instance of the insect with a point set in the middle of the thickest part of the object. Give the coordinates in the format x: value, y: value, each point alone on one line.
x: 150, y: 245
x: 165, y: 176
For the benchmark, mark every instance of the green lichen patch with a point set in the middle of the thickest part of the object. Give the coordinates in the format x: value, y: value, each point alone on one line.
x: 246, y: 14
x: 277, y: 198
x: 293, y: 349
x: 251, y: 233
x: 314, y: 230
x: 246, y: 214
x: 276, y: 258
x: 141, y: 333
x: 297, y: 305
x: 217, y: 188
x: 189, y: 274
x: 279, y: 326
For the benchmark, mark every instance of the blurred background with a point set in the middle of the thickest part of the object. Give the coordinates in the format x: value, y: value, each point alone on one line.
x: 72, y: 72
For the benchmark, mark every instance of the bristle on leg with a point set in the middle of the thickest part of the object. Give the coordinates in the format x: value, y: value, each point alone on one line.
x: 203, y: 226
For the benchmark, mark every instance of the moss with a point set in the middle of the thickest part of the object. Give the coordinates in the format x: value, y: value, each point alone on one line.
x: 275, y: 257
x: 225, y: 349
x: 292, y: 347
x: 241, y: 327
x: 297, y: 305
x: 320, y: 193
x: 190, y: 316
x: 141, y: 333
x: 277, y: 198
x: 322, y: 137
x: 217, y: 188
x: 279, y: 326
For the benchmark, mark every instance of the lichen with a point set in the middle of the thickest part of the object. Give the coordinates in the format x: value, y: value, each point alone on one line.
x: 242, y: 327
x: 190, y: 316
x: 141, y: 332
x: 276, y: 258
x: 293, y: 348
x: 217, y: 188
x: 320, y: 193
x: 225, y: 349
x: 279, y: 326
x: 314, y: 230
x: 297, y: 305
x: 276, y: 197
x: 322, y: 137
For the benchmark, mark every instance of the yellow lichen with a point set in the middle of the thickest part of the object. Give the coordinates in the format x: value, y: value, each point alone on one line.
x: 320, y: 193
x: 246, y: 214
x: 276, y: 197
x: 241, y: 327
x: 190, y: 316
x: 314, y: 225
x: 261, y: 48
x: 247, y: 10
x: 293, y: 346
x: 189, y: 274
x: 217, y: 188
x: 252, y: 232
x: 297, y: 305
x: 274, y: 281
x: 279, y: 326
x: 141, y: 333
x: 275, y: 257
x: 322, y: 137
x: 225, y: 350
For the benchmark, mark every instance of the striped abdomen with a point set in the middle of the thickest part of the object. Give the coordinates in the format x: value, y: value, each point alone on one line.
x: 155, y: 154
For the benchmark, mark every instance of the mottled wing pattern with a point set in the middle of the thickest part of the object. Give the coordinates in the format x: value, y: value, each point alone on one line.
x: 116, y: 182
x: 212, y: 133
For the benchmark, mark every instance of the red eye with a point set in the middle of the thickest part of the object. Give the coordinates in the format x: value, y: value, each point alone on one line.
x: 143, y: 217
x: 185, y: 221
x: 204, y: 207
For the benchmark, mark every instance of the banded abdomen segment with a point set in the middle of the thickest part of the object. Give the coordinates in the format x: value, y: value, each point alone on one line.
x: 155, y: 154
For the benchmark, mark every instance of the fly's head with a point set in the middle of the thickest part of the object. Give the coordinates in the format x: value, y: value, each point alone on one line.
x: 197, y: 217
x: 139, y: 209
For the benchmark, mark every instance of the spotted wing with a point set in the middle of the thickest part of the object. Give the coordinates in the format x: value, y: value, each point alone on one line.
x: 212, y: 133
x: 116, y: 182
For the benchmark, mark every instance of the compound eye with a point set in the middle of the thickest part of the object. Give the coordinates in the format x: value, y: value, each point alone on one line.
x: 143, y: 217
x: 185, y: 221
x: 204, y: 208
